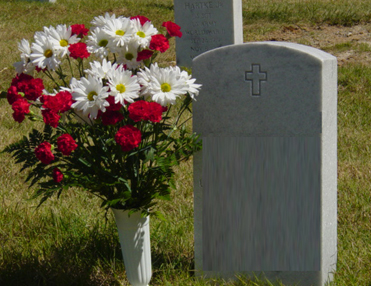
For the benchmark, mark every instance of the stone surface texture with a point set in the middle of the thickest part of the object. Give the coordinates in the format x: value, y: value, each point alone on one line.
x: 206, y: 25
x: 265, y: 183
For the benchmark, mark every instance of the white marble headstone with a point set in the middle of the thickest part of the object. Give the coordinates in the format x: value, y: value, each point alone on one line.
x: 206, y: 25
x: 50, y: 1
x: 265, y: 182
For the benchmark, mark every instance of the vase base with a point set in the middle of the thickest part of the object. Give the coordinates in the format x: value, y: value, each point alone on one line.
x: 135, y: 245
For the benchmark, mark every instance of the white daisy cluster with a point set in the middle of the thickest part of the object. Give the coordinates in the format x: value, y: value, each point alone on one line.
x: 162, y: 85
x: 104, y: 79
x: 125, y: 79
x: 165, y: 85
x: 48, y: 49
x: 121, y: 36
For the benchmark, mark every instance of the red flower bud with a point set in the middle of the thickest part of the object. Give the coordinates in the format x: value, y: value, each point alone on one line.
x: 172, y: 29
x: 44, y: 153
x: 57, y: 175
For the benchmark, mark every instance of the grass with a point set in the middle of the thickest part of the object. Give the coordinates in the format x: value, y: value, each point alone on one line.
x: 347, y: 13
x: 70, y: 241
x: 354, y: 172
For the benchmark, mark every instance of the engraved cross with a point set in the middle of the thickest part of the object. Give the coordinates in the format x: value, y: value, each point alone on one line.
x: 255, y: 76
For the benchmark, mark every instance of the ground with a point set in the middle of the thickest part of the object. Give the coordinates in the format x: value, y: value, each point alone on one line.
x: 348, y: 44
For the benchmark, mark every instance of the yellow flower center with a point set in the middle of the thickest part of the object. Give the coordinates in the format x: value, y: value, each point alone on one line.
x: 120, y: 88
x: 48, y: 53
x: 103, y: 43
x: 129, y: 56
x: 63, y: 43
x: 120, y: 32
x: 91, y: 95
x: 165, y: 87
x: 141, y: 34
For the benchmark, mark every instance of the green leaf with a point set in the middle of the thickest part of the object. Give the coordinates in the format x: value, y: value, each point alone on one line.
x: 86, y: 163
x: 126, y: 195
x: 149, y: 154
x: 47, y: 134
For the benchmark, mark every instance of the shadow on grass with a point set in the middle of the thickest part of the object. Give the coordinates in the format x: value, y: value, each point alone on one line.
x: 77, y: 260
x: 90, y: 258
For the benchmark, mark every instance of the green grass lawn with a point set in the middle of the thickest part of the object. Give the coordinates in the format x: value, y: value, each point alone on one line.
x: 71, y: 241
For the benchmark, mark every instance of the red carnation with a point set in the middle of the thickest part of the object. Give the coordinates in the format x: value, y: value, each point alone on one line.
x: 138, y: 110
x: 142, y: 19
x: 20, y: 80
x: 65, y: 101
x: 144, y: 55
x: 50, y: 117
x: 33, y: 88
x: 172, y: 29
x: 80, y: 30
x: 20, y: 107
x: 61, y: 102
x: 144, y: 110
x: 128, y: 137
x: 159, y: 43
x: 78, y: 51
x: 57, y: 175
x: 44, y: 153
x: 111, y: 117
x: 154, y: 112
x: 13, y: 95
x: 66, y: 144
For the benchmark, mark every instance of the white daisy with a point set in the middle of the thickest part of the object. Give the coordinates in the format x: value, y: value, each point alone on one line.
x: 73, y: 83
x: 100, y: 21
x: 90, y: 96
x: 166, y: 85
x: 25, y: 65
x: 101, y: 69
x: 120, y: 30
x: 123, y: 85
x: 72, y: 86
x: 44, y: 53
x: 128, y: 54
x: 144, y: 78
x: 143, y: 34
x: 40, y: 33
x: 62, y: 38
x: 193, y: 88
x: 99, y: 43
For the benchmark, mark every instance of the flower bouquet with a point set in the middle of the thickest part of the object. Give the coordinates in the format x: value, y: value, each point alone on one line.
x: 113, y: 118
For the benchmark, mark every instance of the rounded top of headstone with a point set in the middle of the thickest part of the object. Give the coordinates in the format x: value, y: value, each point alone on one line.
x: 272, y: 45
x: 263, y: 89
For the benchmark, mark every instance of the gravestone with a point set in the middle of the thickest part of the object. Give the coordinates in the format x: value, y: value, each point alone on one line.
x: 265, y: 182
x: 206, y: 25
x: 51, y: 1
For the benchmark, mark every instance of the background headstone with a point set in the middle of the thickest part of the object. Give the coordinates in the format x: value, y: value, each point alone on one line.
x: 51, y: 1
x: 265, y: 182
x: 206, y: 25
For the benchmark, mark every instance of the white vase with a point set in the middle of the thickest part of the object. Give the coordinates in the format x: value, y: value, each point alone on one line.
x: 135, y: 245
